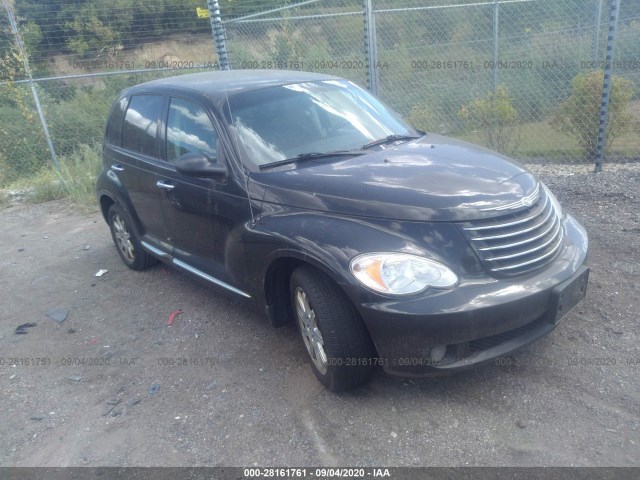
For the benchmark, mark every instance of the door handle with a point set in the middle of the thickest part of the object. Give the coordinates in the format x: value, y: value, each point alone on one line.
x: 117, y: 167
x: 164, y: 186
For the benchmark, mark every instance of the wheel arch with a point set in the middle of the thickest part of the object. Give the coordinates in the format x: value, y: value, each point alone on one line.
x: 108, y: 198
x: 280, y: 243
x: 276, y: 284
x: 110, y: 191
x: 105, y: 204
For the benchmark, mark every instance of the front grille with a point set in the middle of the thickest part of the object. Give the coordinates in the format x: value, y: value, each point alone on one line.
x: 519, y: 242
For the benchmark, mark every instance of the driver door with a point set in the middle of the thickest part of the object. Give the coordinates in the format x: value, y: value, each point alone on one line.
x: 200, y: 212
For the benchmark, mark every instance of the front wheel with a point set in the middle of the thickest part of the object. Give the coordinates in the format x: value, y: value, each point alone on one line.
x: 127, y: 241
x: 336, y: 340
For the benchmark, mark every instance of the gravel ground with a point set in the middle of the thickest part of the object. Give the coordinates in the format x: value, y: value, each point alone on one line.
x: 80, y: 393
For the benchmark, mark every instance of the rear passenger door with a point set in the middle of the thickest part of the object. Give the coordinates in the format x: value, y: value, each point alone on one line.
x: 141, y: 142
x: 121, y: 164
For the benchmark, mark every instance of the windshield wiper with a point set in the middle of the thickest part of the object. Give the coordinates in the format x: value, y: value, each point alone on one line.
x: 389, y: 139
x: 309, y: 156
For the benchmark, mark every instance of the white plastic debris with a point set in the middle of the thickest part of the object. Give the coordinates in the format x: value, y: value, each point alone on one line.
x: 101, y: 272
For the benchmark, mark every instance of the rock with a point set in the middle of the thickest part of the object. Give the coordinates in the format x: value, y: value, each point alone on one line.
x: 22, y: 329
x: 57, y: 314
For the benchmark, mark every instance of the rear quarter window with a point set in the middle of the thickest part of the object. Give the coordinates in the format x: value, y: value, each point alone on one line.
x: 140, y: 127
x: 114, y: 124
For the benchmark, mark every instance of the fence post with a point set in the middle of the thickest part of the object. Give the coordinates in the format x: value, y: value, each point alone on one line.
x: 371, y: 50
x: 219, y: 34
x: 596, y: 43
x: 25, y: 62
x: 495, y: 45
x: 606, y: 86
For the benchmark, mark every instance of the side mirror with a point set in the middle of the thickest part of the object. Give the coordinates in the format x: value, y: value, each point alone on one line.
x: 199, y: 165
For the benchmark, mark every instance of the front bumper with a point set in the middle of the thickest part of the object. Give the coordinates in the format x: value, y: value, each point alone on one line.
x: 482, y: 319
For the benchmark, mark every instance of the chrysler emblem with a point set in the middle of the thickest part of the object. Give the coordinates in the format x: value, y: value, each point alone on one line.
x: 525, y: 201
x: 528, y: 201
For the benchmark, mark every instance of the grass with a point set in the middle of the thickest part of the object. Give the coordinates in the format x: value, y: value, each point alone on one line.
x: 540, y: 139
x: 75, y: 181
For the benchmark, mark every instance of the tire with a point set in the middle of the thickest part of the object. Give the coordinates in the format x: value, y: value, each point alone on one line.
x: 126, y: 240
x: 337, y: 342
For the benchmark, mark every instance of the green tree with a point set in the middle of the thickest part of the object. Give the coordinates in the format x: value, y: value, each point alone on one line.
x: 496, y: 118
x: 95, y: 26
x: 21, y: 137
x: 579, y: 115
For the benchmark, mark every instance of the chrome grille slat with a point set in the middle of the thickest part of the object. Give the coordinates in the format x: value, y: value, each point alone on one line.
x: 510, y: 224
x: 518, y: 232
x: 529, y: 262
x: 520, y: 242
x: 526, y: 252
x: 523, y: 242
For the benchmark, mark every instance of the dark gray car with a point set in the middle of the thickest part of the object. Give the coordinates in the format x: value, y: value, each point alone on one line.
x: 305, y: 196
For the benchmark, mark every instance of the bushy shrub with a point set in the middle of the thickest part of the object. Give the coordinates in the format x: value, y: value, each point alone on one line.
x: 579, y: 115
x: 495, y: 117
x: 74, y: 116
x: 79, y: 120
x: 23, y: 150
x: 423, y: 117
x: 21, y: 138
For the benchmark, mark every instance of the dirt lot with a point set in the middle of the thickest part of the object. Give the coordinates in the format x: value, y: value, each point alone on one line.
x: 573, y: 398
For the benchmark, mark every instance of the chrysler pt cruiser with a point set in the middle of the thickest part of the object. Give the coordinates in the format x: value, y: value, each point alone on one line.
x: 306, y: 196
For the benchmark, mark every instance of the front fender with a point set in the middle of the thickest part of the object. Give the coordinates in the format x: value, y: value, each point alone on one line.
x: 330, y: 243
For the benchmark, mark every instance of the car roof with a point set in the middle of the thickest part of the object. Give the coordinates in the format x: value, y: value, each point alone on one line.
x: 218, y: 84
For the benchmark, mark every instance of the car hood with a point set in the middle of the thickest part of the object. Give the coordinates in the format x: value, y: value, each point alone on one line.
x: 432, y: 179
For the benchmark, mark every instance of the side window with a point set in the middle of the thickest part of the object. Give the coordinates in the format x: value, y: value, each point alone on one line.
x: 141, y: 124
x: 114, y: 125
x: 189, y: 130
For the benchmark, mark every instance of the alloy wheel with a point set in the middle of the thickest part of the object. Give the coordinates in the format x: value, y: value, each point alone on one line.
x: 123, y: 237
x: 310, y: 332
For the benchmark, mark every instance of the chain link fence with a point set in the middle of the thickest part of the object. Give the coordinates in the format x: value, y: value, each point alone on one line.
x: 72, y: 59
x: 524, y: 77
x: 492, y: 72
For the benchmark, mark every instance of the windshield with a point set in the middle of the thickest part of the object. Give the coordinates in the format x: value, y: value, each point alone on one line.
x: 278, y: 123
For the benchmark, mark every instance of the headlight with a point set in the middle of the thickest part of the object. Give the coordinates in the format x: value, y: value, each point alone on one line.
x: 554, y: 201
x: 400, y: 273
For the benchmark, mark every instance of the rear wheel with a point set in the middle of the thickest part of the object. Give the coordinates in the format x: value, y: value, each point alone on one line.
x: 336, y: 340
x: 126, y: 240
